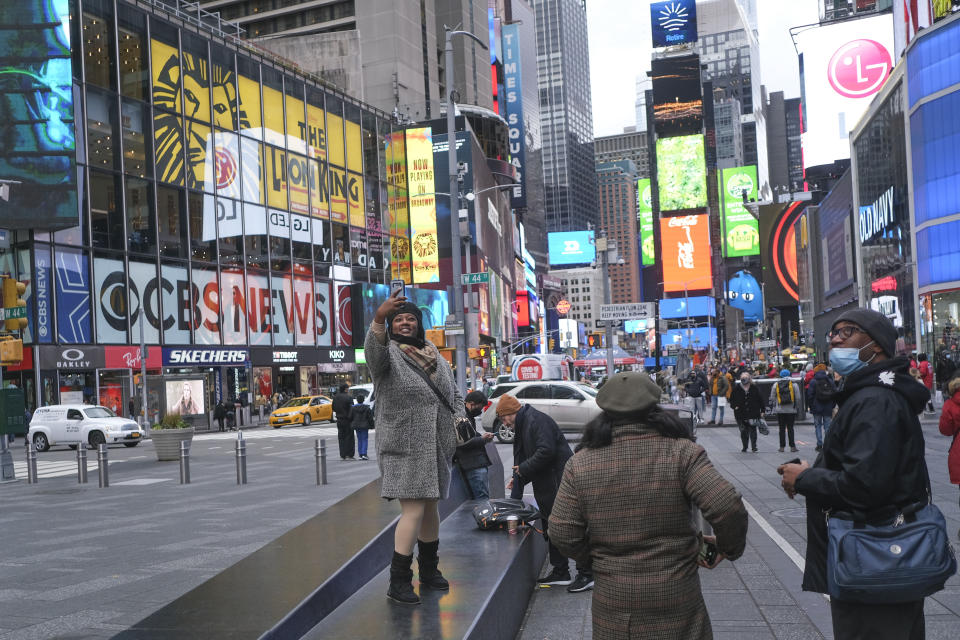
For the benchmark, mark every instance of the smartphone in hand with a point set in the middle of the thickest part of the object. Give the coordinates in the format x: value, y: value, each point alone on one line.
x: 398, y: 285
x: 708, y: 552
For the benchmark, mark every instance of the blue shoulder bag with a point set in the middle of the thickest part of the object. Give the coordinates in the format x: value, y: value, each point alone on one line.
x: 902, y: 559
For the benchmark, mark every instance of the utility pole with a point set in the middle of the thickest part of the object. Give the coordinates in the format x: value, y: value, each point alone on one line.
x: 605, y: 248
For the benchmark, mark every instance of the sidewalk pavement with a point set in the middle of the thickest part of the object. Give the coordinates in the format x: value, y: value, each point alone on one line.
x: 759, y: 596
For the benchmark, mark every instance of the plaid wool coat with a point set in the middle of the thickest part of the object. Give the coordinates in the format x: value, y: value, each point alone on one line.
x: 628, y: 507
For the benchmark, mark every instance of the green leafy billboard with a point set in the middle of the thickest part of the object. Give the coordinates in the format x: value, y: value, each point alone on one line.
x: 645, y: 221
x: 681, y: 173
x: 741, y: 235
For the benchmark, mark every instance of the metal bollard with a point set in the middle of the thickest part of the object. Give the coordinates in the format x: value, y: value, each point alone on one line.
x: 184, y: 462
x: 241, y: 448
x: 320, y: 451
x: 31, y: 463
x: 103, y: 469
x: 81, y: 464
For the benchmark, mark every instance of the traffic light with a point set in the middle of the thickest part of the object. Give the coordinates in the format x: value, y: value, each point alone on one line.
x: 437, y: 337
x: 593, y: 340
x: 11, y: 351
x: 14, y: 305
x: 481, y: 352
x: 553, y: 344
x: 472, y: 353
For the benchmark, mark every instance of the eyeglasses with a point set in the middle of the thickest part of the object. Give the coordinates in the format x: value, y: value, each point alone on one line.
x: 844, y: 333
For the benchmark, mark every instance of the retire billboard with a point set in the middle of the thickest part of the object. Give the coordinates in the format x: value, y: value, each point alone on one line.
x: 741, y: 235
x: 645, y: 222
x: 673, y: 22
x: 685, y: 246
x: 681, y: 173
x: 571, y: 247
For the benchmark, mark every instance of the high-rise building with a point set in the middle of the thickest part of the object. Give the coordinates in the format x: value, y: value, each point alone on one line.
x: 566, y: 114
x: 644, y: 84
x: 631, y: 145
x: 726, y: 119
x: 617, y: 186
x: 783, y: 144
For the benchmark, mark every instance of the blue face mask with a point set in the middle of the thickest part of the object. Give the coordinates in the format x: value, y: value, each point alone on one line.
x: 846, y: 360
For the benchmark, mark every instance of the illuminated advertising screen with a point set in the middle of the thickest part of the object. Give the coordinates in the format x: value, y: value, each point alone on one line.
x: 693, y: 338
x: 779, y: 252
x: 38, y: 188
x: 673, y: 22
x: 399, y: 228
x: 423, y: 207
x: 685, y: 247
x: 185, y: 397
x: 681, y: 173
x: 645, y: 221
x: 675, y: 308
x: 677, y: 96
x: 844, y: 65
x: 741, y: 235
x: 571, y: 247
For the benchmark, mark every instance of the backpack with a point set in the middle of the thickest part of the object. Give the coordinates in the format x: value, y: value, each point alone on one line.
x: 783, y: 388
x: 493, y: 514
x: 823, y: 390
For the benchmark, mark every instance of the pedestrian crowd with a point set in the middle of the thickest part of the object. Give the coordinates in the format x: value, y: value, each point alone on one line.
x: 630, y: 506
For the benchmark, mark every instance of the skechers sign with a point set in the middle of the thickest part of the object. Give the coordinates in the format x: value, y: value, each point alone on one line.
x: 876, y: 217
x: 673, y: 22
x: 571, y: 247
x: 197, y: 356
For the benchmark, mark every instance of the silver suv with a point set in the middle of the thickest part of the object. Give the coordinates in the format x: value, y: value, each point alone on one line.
x: 570, y: 404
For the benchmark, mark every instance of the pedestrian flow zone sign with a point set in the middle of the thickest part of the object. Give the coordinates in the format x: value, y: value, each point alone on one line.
x: 630, y: 311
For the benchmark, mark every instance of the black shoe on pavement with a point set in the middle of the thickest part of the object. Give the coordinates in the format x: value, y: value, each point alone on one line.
x: 558, y: 577
x: 794, y: 449
x: 818, y: 447
x: 755, y: 450
x: 744, y: 450
x: 583, y: 582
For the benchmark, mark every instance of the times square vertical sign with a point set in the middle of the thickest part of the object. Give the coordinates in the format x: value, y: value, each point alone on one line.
x: 38, y: 188
x: 510, y: 36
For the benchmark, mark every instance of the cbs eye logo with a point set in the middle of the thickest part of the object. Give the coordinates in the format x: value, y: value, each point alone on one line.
x: 859, y: 68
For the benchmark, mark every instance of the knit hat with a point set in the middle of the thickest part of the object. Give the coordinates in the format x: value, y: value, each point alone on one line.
x: 507, y: 405
x: 476, y: 397
x: 785, y: 373
x: 628, y: 392
x: 411, y: 308
x: 877, y: 326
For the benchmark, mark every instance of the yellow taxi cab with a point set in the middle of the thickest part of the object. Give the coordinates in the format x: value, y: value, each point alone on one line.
x: 302, y: 410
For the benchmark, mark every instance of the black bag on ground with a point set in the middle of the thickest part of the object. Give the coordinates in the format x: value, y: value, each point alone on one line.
x: 493, y: 514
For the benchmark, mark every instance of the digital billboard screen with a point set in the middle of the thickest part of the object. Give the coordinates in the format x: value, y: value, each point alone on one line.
x: 685, y: 247
x: 673, y: 22
x: 38, y: 185
x: 677, y: 96
x: 648, y: 251
x: 675, y: 308
x: 844, y: 65
x: 571, y: 247
x: 423, y: 206
x: 185, y: 397
x: 741, y: 235
x: 779, y: 252
x: 681, y: 173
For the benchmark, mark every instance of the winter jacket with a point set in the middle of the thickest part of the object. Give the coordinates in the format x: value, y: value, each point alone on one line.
x: 785, y: 405
x: 821, y: 407
x: 747, y: 404
x: 950, y: 426
x: 696, y: 385
x: 540, y: 451
x: 872, y: 458
x: 721, y: 385
x: 472, y: 450
x: 361, y: 417
x: 415, y: 433
x: 342, y: 405
x: 926, y: 374
x: 626, y: 507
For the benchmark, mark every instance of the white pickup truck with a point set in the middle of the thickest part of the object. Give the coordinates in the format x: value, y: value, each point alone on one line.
x: 75, y: 424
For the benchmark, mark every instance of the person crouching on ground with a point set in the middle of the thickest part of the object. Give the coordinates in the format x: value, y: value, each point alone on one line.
x: 417, y: 403
x: 471, y: 455
x: 624, y: 502
x: 539, y: 453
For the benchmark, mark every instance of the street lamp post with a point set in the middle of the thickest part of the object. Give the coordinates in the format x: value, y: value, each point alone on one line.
x: 461, y: 356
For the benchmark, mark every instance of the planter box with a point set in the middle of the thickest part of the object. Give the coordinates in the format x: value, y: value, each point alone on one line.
x: 166, y: 442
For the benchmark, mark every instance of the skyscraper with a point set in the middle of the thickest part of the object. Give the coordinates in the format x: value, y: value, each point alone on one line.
x: 630, y: 145
x: 566, y: 114
x: 617, y: 187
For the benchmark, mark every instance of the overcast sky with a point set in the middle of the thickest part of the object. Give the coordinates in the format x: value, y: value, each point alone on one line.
x: 619, y: 33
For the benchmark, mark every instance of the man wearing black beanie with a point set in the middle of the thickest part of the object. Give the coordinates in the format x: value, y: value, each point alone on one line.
x: 471, y: 455
x: 872, y: 459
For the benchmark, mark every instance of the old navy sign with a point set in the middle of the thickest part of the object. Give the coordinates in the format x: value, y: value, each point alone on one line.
x: 876, y: 217
x: 510, y: 36
x: 199, y: 357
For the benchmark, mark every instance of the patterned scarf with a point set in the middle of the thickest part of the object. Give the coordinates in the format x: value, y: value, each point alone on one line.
x: 424, y: 357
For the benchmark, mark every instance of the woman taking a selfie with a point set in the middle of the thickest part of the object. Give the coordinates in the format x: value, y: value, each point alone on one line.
x: 417, y: 401
x: 625, y: 504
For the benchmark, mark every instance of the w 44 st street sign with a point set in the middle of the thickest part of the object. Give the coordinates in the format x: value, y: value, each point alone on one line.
x: 630, y: 311
x: 482, y: 277
x: 13, y: 313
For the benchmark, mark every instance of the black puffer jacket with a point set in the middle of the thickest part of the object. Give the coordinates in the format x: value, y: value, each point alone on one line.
x: 872, y: 458
x: 747, y: 404
x: 471, y: 448
x: 540, y: 451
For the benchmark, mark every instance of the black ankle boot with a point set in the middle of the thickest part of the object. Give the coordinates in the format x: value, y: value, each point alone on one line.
x: 401, y: 576
x: 427, y: 562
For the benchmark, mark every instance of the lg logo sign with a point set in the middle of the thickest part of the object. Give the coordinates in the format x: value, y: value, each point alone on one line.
x: 859, y: 68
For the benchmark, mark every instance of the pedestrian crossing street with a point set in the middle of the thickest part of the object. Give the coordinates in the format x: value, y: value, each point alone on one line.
x: 269, y: 432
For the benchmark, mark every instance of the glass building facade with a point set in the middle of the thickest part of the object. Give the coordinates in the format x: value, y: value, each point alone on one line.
x: 226, y: 204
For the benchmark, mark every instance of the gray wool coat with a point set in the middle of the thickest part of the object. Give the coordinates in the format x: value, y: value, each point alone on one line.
x: 415, y: 436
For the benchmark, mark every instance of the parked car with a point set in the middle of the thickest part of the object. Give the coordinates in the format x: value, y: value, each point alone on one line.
x: 302, y: 410
x: 361, y: 391
x: 76, y: 424
x: 571, y: 404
